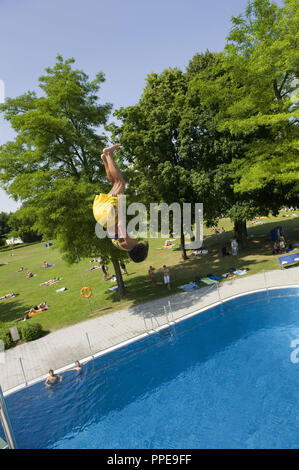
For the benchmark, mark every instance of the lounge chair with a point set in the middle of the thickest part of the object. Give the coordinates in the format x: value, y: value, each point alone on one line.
x: 288, y: 259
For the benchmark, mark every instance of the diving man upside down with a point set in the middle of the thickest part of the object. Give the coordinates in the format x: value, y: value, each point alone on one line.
x: 105, y: 209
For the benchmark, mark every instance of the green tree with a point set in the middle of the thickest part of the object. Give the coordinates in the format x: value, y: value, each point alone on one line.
x: 53, y: 165
x: 214, y: 176
x: 4, y: 227
x: 253, y: 96
x: 22, y: 224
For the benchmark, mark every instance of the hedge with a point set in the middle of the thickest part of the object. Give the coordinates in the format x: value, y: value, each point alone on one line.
x: 30, y: 331
x: 5, y: 334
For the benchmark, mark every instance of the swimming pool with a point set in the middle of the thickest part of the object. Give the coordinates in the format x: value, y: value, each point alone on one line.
x: 221, y: 379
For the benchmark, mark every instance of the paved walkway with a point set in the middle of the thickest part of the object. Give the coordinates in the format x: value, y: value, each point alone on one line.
x: 64, y: 346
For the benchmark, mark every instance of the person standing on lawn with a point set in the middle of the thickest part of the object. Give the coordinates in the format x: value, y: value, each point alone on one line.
x: 166, y: 276
x: 151, y: 273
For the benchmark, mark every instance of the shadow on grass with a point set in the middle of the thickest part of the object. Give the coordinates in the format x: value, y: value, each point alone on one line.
x: 10, y: 310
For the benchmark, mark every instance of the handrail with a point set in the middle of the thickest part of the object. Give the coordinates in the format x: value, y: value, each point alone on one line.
x: 5, y: 421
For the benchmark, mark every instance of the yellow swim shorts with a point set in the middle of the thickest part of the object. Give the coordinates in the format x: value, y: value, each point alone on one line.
x: 105, y: 209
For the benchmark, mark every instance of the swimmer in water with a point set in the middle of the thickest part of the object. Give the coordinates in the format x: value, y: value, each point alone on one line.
x: 52, y: 378
x: 78, y: 366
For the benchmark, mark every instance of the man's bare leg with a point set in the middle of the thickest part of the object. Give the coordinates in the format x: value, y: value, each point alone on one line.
x: 113, y: 172
x: 109, y: 176
x: 118, y: 182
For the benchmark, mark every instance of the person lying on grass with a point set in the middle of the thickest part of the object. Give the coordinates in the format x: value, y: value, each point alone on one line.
x: 36, y: 309
x: 8, y: 296
x: 105, y: 210
x: 41, y: 306
x: 168, y: 244
x: 196, y: 253
x: 50, y: 282
x: 47, y: 265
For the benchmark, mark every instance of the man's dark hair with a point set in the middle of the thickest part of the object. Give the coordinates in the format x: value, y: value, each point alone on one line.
x: 139, y: 252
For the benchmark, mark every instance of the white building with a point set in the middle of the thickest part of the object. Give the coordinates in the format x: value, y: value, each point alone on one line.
x: 14, y: 241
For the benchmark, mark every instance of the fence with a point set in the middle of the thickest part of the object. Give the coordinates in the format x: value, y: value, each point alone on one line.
x: 30, y: 362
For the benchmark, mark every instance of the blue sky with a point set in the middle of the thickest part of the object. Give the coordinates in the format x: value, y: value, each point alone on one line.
x: 125, y: 39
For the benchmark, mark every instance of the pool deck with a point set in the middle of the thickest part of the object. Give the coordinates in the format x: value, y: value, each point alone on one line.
x: 63, y: 347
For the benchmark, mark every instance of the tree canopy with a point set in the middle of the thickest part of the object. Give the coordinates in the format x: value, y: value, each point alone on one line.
x: 253, y: 95
x: 53, y: 165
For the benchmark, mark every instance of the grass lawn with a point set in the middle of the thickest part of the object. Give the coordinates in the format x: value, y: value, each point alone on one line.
x: 68, y: 307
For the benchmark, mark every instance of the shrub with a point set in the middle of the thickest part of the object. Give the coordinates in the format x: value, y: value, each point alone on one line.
x: 30, y: 331
x: 5, y: 336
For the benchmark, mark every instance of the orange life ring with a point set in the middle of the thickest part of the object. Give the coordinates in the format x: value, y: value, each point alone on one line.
x: 84, y: 289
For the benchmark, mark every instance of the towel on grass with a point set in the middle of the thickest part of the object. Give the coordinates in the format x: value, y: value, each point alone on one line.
x: 213, y: 277
x: 188, y: 287
x: 207, y: 280
x: 115, y: 288
x: 241, y: 272
x: 61, y: 289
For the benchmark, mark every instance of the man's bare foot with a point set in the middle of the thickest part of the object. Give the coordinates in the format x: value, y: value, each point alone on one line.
x: 111, y: 150
x: 103, y: 157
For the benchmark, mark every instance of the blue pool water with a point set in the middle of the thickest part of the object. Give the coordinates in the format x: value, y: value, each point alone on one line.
x: 221, y: 379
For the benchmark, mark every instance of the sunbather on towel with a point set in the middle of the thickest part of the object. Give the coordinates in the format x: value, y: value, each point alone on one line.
x: 8, y: 296
x: 50, y: 282
x: 195, y: 253
x: 168, y: 244
x: 40, y: 307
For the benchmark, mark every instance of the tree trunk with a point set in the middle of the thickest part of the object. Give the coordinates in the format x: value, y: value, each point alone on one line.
x: 119, y: 278
x: 184, y: 253
x: 241, y: 232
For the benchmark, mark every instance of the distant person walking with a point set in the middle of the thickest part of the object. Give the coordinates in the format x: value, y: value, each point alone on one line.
x: 123, y: 268
x: 166, y: 276
x: 105, y: 271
